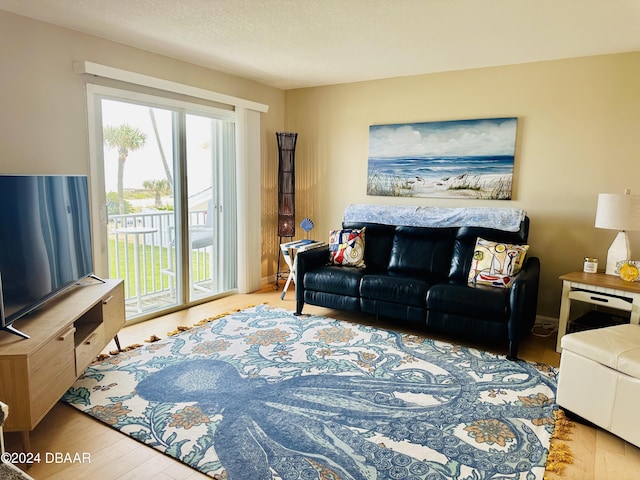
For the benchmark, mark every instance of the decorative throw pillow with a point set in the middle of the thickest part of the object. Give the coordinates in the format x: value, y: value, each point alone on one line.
x: 346, y: 247
x: 496, y: 263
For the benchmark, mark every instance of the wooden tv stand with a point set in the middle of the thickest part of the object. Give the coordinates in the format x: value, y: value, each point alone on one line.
x: 67, y: 333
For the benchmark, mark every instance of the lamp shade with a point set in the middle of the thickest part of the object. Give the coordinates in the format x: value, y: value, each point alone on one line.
x: 618, y: 211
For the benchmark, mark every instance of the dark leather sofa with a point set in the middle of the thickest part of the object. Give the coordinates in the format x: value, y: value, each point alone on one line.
x: 418, y: 275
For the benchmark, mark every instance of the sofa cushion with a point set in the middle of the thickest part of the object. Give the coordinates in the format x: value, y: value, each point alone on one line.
x: 335, y: 279
x: 465, y: 242
x: 407, y: 313
x: 395, y: 289
x: 332, y: 300
x: 422, y: 251
x: 495, y: 263
x: 346, y: 247
x: 475, y: 301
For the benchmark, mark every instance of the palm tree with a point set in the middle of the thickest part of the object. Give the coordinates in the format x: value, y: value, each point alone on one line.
x: 126, y: 139
x: 163, y: 157
x: 159, y: 188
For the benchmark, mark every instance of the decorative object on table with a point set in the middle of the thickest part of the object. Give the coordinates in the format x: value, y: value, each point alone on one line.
x: 628, y: 270
x: 618, y: 212
x: 459, y: 159
x: 496, y: 263
x: 590, y: 265
x: 307, y: 225
x: 262, y: 393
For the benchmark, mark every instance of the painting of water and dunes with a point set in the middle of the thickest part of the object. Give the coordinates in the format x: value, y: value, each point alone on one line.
x: 450, y: 159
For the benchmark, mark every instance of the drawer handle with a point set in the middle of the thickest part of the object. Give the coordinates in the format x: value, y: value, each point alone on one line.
x: 599, y: 299
x: 89, y: 338
x: 107, y: 300
x: 66, y: 334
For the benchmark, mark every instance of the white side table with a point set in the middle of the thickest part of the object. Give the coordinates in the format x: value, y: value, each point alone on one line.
x: 289, y: 253
x: 597, y: 289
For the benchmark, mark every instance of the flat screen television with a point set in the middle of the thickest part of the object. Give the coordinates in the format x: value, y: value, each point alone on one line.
x: 45, y: 241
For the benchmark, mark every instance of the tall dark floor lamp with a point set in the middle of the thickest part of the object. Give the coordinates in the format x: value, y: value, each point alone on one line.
x: 286, y: 189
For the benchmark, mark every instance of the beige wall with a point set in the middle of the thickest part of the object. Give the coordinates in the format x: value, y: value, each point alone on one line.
x: 578, y: 130
x: 43, y: 125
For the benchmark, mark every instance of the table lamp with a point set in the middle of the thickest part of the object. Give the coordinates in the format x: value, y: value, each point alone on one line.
x: 618, y: 212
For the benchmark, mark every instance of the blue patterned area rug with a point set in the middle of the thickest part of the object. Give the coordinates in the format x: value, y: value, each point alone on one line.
x: 264, y: 395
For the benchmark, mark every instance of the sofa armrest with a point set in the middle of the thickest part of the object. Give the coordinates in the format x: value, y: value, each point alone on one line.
x: 307, y: 261
x: 523, y: 301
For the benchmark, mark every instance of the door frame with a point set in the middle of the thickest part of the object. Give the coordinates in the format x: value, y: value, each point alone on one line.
x: 99, y: 215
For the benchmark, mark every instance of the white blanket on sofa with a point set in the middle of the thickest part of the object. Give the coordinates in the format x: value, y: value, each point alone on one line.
x: 507, y: 219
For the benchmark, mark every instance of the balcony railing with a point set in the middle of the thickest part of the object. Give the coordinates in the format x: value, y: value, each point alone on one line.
x: 142, y: 252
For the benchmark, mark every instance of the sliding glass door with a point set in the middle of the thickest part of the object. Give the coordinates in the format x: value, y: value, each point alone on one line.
x: 168, y: 194
x: 210, y: 170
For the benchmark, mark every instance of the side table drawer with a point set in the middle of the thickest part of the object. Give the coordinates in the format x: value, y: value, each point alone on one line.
x: 604, y: 299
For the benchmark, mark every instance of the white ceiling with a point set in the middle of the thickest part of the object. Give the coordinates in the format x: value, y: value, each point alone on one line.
x: 301, y: 43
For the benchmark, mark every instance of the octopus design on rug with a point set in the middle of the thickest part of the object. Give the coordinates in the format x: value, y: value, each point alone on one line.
x: 333, y: 426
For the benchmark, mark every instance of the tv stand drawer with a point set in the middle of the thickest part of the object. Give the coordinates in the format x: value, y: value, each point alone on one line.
x: 51, y: 369
x: 89, y: 348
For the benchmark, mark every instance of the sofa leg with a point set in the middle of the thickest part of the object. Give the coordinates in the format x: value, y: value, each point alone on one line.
x: 299, y: 306
x: 513, y: 350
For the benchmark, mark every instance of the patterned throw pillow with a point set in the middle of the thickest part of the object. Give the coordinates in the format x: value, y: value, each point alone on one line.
x: 496, y: 263
x: 346, y: 247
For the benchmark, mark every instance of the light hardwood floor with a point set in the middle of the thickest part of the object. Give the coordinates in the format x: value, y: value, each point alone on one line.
x: 598, y: 455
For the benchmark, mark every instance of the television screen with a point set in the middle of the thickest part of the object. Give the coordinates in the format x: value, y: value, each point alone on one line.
x: 45, y: 239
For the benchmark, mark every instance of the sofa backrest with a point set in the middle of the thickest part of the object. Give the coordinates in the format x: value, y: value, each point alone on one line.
x: 378, y: 242
x: 422, y: 251
x: 417, y: 251
x: 429, y: 251
x: 465, y: 242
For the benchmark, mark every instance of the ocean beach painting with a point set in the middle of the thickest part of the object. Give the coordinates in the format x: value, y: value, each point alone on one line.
x: 448, y: 159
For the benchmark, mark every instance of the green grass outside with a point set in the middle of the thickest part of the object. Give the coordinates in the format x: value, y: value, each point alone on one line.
x: 155, y: 260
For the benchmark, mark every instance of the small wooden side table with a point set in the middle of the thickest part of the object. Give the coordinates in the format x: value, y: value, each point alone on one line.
x: 289, y: 252
x: 597, y: 289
